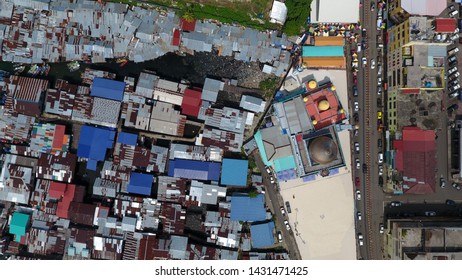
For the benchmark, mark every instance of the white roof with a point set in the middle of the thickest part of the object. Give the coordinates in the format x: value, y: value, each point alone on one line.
x: 278, y: 12
x: 345, y: 11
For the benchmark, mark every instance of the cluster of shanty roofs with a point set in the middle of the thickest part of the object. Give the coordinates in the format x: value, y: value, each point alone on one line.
x: 79, y: 181
x: 33, y: 30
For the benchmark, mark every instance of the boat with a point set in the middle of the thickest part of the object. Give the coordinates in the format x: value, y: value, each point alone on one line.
x: 19, y: 69
x: 121, y: 60
x: 48, y: 70
x: 4, y: 73
x: 44, y: 68
x: 73, y: 66
x: 123, y: 63
x: 32, y: 69
x: 37, y: 70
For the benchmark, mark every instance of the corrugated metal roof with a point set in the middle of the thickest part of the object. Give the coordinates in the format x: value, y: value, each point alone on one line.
x: 245, y: 208
x: 262, y: 235
x: 234, y: 172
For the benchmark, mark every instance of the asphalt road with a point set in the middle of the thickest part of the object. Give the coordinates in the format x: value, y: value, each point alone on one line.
x: 370, y: 205
x: 274, y: 202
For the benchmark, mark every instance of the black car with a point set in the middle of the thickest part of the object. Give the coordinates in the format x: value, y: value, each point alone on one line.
x: 356, y: 117
x: 364, y: 168
x: 289, y: 210
x: 364, y: 33
x: 379, y: 103
x: 363, y: 45
x: 450, y: 202
x: 380, y: 181
x: 355, y: 91
x: 379, y: 144
x: 452, y: 108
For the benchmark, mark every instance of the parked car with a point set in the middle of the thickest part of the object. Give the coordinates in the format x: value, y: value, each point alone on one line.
x: 380, y: 157
x: 268, y: 170
x: 454, y: 75
x: 452, y: 58
x: 454, y: 94
x: 381, y: 228
x: 450, y: 202
x: 358, y: 215
x: 379, y: 115
x: 380, y: 170
x: 356, y: 132
x: 372, y: 6
x: 454, y: 82
x: 379, y: 81
x: 430, y: 213
x: 364, y: 33
x: 456, y: 186
x: 283, y: 211
x: 372, y: 63
x: 358, y: 164
x: 454, y: 88
x: 395, y: 204
x: 363, y: 44
x: 357, y: 147
x: 380, y: 181
x: 379, y: 143
x: 272, y: 181
x: 289, y: 210
x: 355, y: 91
x: 379, y: 102
x: 453, y: 51
x: 358, y: 195
x: 364, y: 168
x: 442, y: 183
x: 357, y: 182
x: 360, y: 239
x: 452, y: 70
x: 379, y: 70
x: 287, y: 225
x: 356, y: 106
x: 455, y: 37
x: 279, y: 236
x: 364, y: 62
x: 453, y: 13
x: 452, y: 108
x: 451, y: 7
x: 356, y: 117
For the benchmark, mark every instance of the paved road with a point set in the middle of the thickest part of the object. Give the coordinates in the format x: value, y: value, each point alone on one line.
x: 274, y: 202
x: 372, y: 196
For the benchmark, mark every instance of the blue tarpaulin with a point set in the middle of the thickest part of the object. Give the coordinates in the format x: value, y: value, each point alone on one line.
x: 140, y: 183
x: 193, y: 169
x: 93, y: 143
x: 245, y: 208
x: 108, y: 89
x: 127, y: 138
x: 234, y: 172
x: 262, y: 235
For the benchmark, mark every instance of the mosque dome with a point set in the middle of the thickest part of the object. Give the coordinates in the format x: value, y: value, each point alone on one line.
x: 323, y: 150
x: 323, y: 105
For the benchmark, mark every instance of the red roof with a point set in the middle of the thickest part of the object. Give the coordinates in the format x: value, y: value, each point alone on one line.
x: 63, y: 205
x: 59, y: 138
x: 191, y: 102
x: 176, y: 38
x: 327, y: 117
x: 445, y: 25
x: 410, y: 91
x: 416, y: 160
x: 187, y: 26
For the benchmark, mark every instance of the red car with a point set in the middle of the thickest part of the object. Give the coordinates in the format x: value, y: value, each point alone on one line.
x: 357, y: 182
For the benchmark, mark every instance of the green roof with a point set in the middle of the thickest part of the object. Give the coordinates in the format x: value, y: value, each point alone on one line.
x: 284, y: 163
x: 18, y: 225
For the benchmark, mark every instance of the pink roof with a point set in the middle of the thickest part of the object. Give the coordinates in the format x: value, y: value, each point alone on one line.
x: 424, y: 7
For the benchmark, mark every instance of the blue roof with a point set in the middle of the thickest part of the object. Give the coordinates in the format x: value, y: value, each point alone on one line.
x: 317, y: 51
x: 140, y: 183
x: 234, y: 172
x: 244, y: 208
x: 18, y: 225
x: 93, y: 143
x: 127, y: 138
x: 108, y: 89
x: 193, y: 169
x: 262, y: 235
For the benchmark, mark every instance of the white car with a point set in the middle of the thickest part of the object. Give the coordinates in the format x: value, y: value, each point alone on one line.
x: 372, y: 63
x: 356, y: 105
x: 268, y: 170
x: 360, y: 239
x: 283, y: 211
x: 453, y: 13
x: 358, y: 164
x: 379, y: 81
x: 442, y: 183
x: 287, y: 225
x: 358, y: 195
x: 279, y: 236
x: 357, y: 147
x: 364, y: 62
x: 380, y: 170
x: 452, y: 70
x: 381, y: 229
x: 380, y: 158
x: 454, y: 94
x: 358, y: 214
x: 272, y: 179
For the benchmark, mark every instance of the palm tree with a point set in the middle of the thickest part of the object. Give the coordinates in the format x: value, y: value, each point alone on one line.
x: 188, y: 16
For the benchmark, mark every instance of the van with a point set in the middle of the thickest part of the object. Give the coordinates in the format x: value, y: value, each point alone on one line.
x: 453, y: 13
